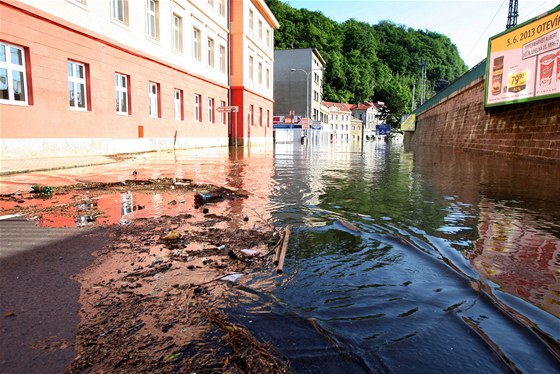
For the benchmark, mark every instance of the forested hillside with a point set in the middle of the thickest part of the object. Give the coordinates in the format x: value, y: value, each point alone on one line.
x: 367, y: 62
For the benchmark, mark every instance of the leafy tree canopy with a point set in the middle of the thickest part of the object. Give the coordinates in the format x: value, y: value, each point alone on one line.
x: 365, y: 62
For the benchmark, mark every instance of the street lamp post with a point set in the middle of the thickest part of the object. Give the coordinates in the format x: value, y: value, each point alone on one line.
x: 307, y: 73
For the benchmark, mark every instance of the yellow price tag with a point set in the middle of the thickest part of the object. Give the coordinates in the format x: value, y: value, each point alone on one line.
x: 517, y: 81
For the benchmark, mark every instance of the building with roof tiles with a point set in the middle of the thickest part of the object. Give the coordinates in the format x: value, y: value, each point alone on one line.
x: 114, y: 76
x: 370, y: 115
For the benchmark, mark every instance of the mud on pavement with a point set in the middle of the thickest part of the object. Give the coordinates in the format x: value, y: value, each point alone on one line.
x: 153, y: 299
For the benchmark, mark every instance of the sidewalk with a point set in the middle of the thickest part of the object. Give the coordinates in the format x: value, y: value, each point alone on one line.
x: 24, y: 165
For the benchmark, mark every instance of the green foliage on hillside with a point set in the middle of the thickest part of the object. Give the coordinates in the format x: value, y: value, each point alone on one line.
x: 370, y: 62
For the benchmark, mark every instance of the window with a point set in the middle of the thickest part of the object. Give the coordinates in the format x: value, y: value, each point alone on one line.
x: 251, y: 19
x: 260, y: 29
x: 196, y: 44
x: 177, y: 34
x: 267, y: 118
x: 77, y: 91
x: 251, y: 75
x: 268, y: 37
x: 221, y: 7
x: 267, y: 78
x: 251, y: 110
x: 211, y: 3
x: 211, y: 52
x: 122, y: 92
x: 152, y: 19
x: 178, y: 104
x: 222, y: 59
x: 119, y: 8
x: 222, y: 114
x: 197, y: 109
x: 153, y: 95
x: 13, y: 77
x: 210, y: 110
x: 260, y: 72
x: 259, y: 120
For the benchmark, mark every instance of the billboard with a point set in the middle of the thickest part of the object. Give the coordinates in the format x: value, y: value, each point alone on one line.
x: 408, y: 122
x: 523, y: 63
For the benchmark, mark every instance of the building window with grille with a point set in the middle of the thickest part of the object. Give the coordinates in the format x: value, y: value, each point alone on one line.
x: 196, y: 44
x: 178, y: 104
x: 119, y: 8
x: 153, y: 96
x: 197, y: 108
x: 77, y: 85
x: 222, y: 59
x: 177, y: 34
x: 210, y: 52
x: 210, y: 110
x: 122, y: 93
x: 13, y: 75
x: 152, y: 15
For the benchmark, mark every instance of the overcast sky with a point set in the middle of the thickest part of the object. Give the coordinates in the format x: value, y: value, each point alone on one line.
x: 468, y: 24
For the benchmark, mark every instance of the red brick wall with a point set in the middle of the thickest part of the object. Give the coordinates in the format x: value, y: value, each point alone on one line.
x: 527, y: 130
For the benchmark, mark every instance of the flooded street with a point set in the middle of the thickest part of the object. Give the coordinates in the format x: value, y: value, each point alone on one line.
x: 402, y: 261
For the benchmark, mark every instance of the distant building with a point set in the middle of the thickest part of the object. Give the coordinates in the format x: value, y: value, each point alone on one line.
x: 298, y: 82
x: 341, y: 125
x: 102, y: 77
x: 369, y: 114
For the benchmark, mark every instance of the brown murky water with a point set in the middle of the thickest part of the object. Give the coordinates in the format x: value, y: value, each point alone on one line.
x: 454, y: 264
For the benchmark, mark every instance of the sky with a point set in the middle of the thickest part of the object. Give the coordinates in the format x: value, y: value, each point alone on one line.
x: 469, y: 24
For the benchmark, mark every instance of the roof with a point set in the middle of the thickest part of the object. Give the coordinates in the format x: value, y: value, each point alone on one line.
x: 342, y: 107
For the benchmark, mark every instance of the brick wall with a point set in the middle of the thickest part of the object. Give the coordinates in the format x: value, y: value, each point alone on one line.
x: 460, y: 121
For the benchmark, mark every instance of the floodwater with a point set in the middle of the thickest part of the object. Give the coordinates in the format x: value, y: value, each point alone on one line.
x: 398, y: 261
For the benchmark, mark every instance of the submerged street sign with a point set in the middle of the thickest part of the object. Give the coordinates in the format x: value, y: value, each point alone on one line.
x: 524, y: 62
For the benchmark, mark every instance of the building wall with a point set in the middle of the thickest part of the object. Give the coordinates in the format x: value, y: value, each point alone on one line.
x: 52, y: 33
x: 252, y: 46
x: 290, y: 87
x: 527, y: 130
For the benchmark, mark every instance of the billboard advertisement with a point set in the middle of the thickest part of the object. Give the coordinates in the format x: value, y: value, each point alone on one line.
x: 408, y: 122
x: 523, y: 63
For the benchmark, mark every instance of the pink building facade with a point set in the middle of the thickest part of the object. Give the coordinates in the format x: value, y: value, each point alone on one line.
x: 115, y: 76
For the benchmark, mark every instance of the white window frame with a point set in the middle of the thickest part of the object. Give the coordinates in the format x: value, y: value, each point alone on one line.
x: 153, y: 95
x: 152, y: 19
x: 222, y: 114
x: 268, y: 37
x: 177, y: 33
x: 251, y: 19
x: 196, y: 44
x: 210, y: 52
x: 260, y: 30
x: 260, y: 73
x: 268, y: 78
x: 10, y: 68
x: 119, y: 8
x: 222, y: 56
x: 121, y: 92
x: 178, y: 104
x: 251, y: 68
x: 197, y: 103
x: 221, y: 8
x: 74, y: 82
x: 211, y: 110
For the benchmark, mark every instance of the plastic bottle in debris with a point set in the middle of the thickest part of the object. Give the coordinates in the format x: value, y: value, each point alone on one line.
x: 41, y: 189
x: 203, y: 198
